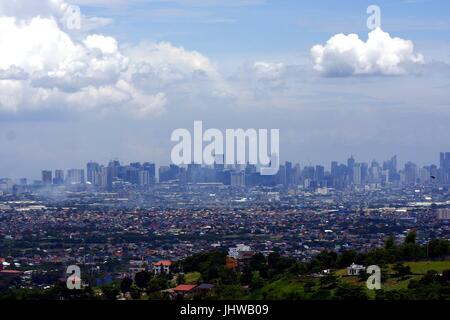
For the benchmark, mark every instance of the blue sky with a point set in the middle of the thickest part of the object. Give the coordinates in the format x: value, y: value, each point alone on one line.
x: 268, y: 27
x: 137, y: 70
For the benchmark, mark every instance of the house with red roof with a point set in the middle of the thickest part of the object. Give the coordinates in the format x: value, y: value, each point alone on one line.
x: 184, y: 291
x: 162, y: 266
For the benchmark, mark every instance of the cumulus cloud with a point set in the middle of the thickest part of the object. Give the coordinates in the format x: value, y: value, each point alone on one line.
x: 43, y: 65
x: 348, y: 55
x: 164, y: 66
x: 268, y: 70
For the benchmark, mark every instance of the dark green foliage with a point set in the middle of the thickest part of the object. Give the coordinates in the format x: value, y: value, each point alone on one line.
x: 126, y: 284
x: 350, y: 292
x: 142, y: 279
x: 401, y: 270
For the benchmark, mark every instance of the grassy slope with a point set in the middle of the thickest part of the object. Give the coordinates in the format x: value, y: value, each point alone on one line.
x: 288, y: 287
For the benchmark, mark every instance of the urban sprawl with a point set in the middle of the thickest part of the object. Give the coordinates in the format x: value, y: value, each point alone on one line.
x: 115, y: 219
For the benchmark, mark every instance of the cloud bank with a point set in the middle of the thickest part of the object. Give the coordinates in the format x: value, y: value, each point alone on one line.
x: 43, y: 66
x: 348, y: 55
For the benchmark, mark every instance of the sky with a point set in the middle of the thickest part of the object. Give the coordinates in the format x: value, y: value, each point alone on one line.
x: 117, y: 84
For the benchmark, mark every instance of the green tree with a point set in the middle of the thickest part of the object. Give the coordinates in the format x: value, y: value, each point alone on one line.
x: 350, y: 292
x: 181, y: 278
x: 135, y: 292
x: 411, y: 238
x: 142, y: 279
x: 389, y: 243
x: 257, y: 281
x: 401, y: 270
x: 126, y: 284
x: 110, y: 292
x: 329, y: 281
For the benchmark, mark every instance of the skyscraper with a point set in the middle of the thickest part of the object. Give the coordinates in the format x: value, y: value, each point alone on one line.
x: 357, y: 174
x: 59, y: 177
x: 350, y: 165
x: 47, y: 177
x: 75, y: 176
x: 93, y: 170
x: 151, y: 169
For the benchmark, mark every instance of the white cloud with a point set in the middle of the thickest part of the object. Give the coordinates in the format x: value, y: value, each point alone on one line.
x: 268, y: 70
x: 169, y: 63
x: 43, y: 66
x: 347, y: 55
x: 165, y: 66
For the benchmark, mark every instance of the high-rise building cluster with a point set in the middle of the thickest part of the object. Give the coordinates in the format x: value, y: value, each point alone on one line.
x: 340, y: 176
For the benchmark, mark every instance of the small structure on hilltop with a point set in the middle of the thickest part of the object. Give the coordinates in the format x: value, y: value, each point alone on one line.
x: 355, y: 269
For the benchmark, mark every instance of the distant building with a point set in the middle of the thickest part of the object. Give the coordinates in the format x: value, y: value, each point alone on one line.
x: 93, y: 171
x: 238, y: 179
x: 75, y: 176
x: 238, y: 251
x: 47, y: 177
x: 59, y: 177
x: 355, y: 269
x: 162, y: 266
x: 443, y: 214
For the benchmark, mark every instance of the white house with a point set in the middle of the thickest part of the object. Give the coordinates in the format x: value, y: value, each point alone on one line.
x: 162, y: 266
x: 240, y: 248
x: 355, y: 269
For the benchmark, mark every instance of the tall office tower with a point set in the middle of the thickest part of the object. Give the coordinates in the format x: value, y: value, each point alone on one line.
x: 250, y: 169
x: 319, y: 173
x: 193, y: 172
x: 132, y: 175
x: 410, y: 173
x: 308, y: 173
x: 111, y: 176
x: 92, y: 170
x: 103, y: 178
x: 394, y: 164
x: 334, y: 168
x: 114, y: 169
x: 391, y: 167
x: 350, y: 165
x: 144, y: 178
x: 297, y: 174
x: 374, y: 173
x: 238, y: 179
x: 59, y: 177
x: 364, y: 173
x: 281, y: 175
x: 289, y: 173
x: 441, y: 167
x: 23, y: 182
x: 136, y: 165
x: 434, y: 172
x: 447, y: 168
x: 47, y: 177
x: 335, y: 174
x: 357, y: 174
x: 424, y: 175
x: 75, y: 176
x: 151, y: 169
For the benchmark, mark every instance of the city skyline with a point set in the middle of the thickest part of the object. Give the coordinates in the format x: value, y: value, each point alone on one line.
x: 87, y: 174
x: 160, y: 65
